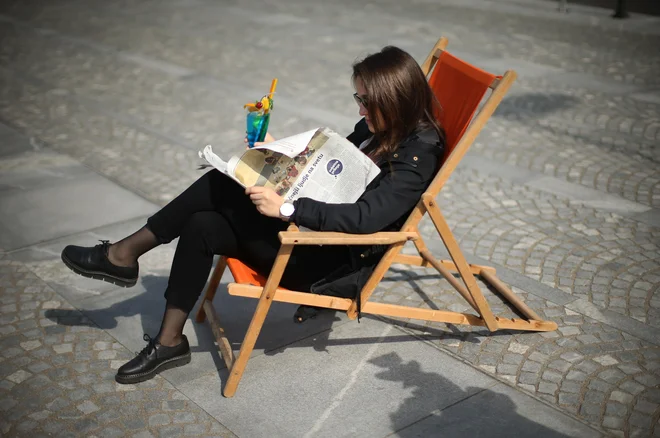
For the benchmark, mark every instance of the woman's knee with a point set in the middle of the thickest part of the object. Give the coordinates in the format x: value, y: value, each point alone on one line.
x: 198, y: 224
x: 209, y: 232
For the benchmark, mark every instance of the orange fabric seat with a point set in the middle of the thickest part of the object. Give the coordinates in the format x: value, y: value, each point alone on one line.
x: 243, y: 274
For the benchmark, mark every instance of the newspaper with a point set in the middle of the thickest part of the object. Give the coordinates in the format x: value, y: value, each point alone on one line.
x: 318, y: 164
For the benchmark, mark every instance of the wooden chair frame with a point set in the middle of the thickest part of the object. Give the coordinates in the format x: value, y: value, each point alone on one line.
x: 468, y: 288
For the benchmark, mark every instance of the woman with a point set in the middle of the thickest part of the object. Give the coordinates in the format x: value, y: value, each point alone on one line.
x: 216, y: 216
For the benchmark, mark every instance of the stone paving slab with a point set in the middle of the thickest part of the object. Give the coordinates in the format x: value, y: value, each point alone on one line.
x: 362, y: 379
x: 35, y: 186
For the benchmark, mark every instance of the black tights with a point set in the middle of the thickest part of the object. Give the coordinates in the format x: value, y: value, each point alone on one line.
x: 214, y: 216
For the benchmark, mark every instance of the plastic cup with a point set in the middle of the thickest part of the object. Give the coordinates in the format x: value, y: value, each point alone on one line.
x: 257, y: 126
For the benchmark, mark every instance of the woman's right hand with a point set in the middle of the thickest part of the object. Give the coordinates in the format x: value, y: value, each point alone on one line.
x: 267, y: 139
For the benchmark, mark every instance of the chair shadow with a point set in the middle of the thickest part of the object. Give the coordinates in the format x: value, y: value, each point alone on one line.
x: 530, y: 106
x: 150, y: 304
x: 411, y: 277
x: 447, y: 410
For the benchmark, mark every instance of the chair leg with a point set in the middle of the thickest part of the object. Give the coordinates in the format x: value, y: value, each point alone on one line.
x: 212, y: 288
x: 266, y: 299
x: 510, y: 296
x: 426, y: 255
x: 460, y: 262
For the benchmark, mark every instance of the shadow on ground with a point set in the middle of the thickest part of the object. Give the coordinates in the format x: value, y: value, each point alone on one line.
x: 149, y: 305
x: 530, y: 106
x: 479, y: 412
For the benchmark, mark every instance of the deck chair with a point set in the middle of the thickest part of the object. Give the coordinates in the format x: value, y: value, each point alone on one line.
x: 460, y: 89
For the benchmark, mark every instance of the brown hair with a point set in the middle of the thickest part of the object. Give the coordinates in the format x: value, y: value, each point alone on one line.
x: 399, y: 98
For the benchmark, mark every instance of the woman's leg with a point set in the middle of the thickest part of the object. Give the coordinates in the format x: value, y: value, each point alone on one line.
x: 214, y: 191
x: 203, y: 235
x: 117, y: 263
x: 210, y: 192
x: 127, y: 251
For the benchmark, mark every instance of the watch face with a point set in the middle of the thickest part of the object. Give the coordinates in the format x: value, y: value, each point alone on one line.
x: 286, y: 209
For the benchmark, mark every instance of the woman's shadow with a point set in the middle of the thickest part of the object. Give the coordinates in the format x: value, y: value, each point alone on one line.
x: 453, y: 411
x: 147, y: 303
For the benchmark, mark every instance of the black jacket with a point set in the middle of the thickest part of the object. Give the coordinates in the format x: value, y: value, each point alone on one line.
x: 384, y: 206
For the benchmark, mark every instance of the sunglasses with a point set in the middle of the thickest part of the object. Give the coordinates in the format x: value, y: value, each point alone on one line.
x: 360, y: 100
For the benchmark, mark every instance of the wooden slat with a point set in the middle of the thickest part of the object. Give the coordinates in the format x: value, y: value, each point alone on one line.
x: 332, y: 238
x: 294, y: 297
x: 407, y: 259
x: 223, y: 343
x: 265, y: 300
x: 413, y: 260
x: 433, y: 55
x: 453, y: 317
x: 510, y: 296
x: 370, y: 307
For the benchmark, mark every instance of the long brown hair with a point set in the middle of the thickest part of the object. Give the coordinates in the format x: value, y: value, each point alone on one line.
x: 399, y: 99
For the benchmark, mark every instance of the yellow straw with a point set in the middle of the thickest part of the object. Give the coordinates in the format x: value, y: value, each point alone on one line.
x: 271, y: 92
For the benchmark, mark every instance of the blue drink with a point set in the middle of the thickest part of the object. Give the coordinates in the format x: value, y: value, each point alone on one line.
x: 257, y: 126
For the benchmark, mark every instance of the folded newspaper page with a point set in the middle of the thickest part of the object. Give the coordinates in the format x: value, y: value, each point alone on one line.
x: 318, y: 164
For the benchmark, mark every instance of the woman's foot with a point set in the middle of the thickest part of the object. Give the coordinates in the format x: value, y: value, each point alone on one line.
x: 153, y: 359
x: 93, y: 262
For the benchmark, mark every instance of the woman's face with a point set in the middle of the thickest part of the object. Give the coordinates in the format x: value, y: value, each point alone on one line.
x: 362, y: 94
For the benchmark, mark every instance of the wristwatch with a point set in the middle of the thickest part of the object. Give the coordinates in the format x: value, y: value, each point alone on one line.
x: 286, y: 210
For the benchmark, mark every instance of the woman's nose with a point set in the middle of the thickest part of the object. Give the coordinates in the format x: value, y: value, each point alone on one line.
x: 363, y: 111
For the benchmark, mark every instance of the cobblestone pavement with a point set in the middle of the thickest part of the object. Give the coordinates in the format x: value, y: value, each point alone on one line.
x: 562, y: 189
x: 58, y: 375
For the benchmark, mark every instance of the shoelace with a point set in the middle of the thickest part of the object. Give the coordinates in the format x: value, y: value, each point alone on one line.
x: 105, y: 244
x: 151, y: 344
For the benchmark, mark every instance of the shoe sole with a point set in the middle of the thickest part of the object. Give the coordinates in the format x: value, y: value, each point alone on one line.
x: 174, y: 362
x: 98, y: 275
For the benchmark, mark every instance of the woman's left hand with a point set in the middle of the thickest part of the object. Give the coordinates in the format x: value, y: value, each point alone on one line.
x: 267, y: 201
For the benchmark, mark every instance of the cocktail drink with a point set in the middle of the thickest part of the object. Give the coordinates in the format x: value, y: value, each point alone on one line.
x: 257, y: 126
x: 258, y: 116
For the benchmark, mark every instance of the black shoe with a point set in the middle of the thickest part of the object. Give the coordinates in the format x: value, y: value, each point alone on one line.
x: 303, y: 313
x: 93, y: 262
x: 153, y: 359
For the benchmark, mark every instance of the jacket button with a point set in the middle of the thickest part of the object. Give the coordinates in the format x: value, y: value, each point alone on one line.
x: 396, y: 155
x: 415, y: 158
x: 362, y: 255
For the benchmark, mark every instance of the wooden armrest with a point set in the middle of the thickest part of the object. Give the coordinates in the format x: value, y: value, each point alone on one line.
x: 332, y: 238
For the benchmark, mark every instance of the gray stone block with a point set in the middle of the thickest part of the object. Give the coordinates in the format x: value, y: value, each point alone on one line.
x: 58, y: 197
x: 368, y: 367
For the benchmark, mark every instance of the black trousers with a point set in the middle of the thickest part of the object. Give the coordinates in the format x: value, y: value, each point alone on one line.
x: 214, y: 216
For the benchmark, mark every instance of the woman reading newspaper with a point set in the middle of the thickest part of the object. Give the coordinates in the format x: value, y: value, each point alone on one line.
x: 216, y: 216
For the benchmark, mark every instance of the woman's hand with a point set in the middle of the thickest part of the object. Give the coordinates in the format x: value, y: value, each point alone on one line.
x: 267, y: 139
x: 267, y: 201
